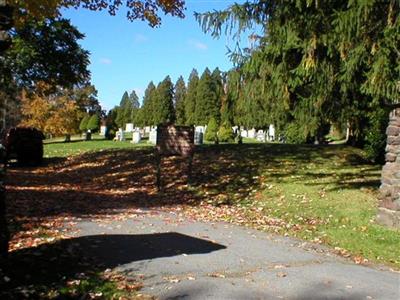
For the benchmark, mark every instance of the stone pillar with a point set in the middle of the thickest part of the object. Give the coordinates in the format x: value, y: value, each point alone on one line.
x: 389, y: 206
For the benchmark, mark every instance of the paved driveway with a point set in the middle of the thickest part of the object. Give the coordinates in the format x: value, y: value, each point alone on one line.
x: 183, y: 259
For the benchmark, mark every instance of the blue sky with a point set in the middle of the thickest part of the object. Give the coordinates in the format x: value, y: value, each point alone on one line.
x: 126, y: 56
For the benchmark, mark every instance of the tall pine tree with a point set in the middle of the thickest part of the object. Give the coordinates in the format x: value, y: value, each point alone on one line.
x: 123, y: 110
x: 179, y: 101
x: 191, y: 98
x: 207, y: 100
x: 134, y: 102
x: 146, y: 112
x: 163, y: 102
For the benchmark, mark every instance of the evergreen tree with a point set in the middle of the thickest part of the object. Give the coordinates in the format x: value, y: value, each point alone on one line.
x: 111, y: 125
x: 134, y: 99
x: 179, y: 101
x: 120, y: 120
x: 146, y: 113
x: 207, y: 101
x: 191, y: 96
x: 211, y: 133
x: 225, y: 133
x: 84, y: 123
x: 218, y: 80
x: 231, y: 98
x: 163, y: 102
x: 335, y: 62
x: 134, y: 109
x: 127, y: 109
x: 94, y: 123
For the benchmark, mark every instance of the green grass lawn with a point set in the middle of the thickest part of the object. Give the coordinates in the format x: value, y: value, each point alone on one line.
x: 58, y: 148
x: 325, y: 194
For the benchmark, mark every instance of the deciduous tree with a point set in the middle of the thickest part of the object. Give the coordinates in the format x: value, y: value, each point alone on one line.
x: 64, y: 118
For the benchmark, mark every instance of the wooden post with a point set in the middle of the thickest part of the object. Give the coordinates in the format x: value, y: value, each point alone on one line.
x: 190, y: 164
x: 158, y: 170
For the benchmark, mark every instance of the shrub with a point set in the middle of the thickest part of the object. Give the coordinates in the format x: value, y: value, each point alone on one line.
x: 211, y: 133
x: 293, y: 134
x: 375, y: 139
x: 110, y: 134
x: 94, y: 123
x: 84, y: 123
x: 225, y: 133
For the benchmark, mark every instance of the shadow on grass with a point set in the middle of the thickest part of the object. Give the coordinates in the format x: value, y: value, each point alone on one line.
x: 106, y: 182
x: 54, y: 264
x: 66, y: 143
x: 102, y: 184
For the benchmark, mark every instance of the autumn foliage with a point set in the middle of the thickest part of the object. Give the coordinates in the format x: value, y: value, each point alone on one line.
x: 56, y: 115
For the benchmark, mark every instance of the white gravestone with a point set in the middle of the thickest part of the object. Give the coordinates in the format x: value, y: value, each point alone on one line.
x: 252, y: 133
x: 103, y: 130
x: 147, y: 129
x: 198, y: 138
x: 271, y: 133
x: 153, y: 137
x: 117, y: 134
x: 261, y: 136
x: 121, y: 136
x: 244, y: 133
x: 201, y: 129
x: 129, y: 127
x: 136, y: 137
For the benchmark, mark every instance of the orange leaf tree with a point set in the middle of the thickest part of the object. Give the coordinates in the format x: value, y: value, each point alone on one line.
x: 146, y: 10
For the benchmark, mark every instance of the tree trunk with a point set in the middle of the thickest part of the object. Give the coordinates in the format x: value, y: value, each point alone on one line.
x: 4, y: 234
x: 5, y: 42
x: 67, y: 138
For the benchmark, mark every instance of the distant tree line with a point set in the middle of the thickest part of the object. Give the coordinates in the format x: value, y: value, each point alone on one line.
x: 203, y: 100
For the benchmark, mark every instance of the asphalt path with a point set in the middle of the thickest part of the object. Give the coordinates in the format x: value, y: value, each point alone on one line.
x: 177, y: 258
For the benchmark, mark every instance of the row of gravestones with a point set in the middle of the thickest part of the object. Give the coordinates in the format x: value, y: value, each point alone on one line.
x: 151, y: 131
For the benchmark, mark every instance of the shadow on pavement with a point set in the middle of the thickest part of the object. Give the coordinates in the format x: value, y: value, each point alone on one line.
x: 56, y: 263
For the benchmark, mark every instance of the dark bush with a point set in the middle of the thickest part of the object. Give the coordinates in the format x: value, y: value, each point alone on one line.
x: 25, y: 144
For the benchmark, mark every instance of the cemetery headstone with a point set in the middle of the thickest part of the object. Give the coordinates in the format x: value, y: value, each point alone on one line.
x: 174, y: 140
x: 121, y: 135
x: 252, y: 133
x: 244, y: 133
x: 261, y: 136
x: 129, y: 127
x: 201, y: 129
x: 153, y: 137
x: 87, y: 136
x: 271, y: 133
x: 136, y: 137
x: 198, y: 138
x: 103, y: 130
